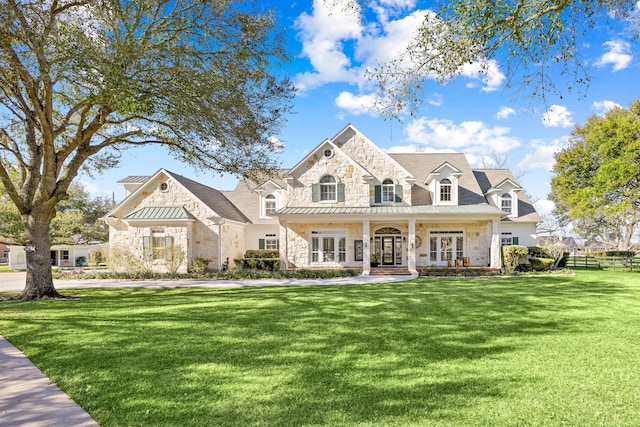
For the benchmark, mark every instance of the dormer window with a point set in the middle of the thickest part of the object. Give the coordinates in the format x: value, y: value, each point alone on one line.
x: 328, y: 189
x: 388, y: 191
x: 506, y: 203
x: 270, y: 205
x: 445, y: 190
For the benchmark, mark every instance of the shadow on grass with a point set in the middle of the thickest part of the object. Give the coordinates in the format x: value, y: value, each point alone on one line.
x: 403, y: 353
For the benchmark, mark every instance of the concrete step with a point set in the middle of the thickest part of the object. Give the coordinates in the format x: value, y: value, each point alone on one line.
x: 389, y: 271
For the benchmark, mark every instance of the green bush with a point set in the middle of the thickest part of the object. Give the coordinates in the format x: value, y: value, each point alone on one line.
x: 267, y: 264
x: 199, y: 266
x: 511, y: 256
x: 539, y: 264
x: 262, y: 253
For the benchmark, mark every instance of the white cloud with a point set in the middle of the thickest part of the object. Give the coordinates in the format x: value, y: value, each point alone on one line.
x: 488, y: 72
x: 544, y: 207
x: 618, y: 55
x: 602, y: 107
x: 557, y: 116
x: 94, y: 189
x: 356, y: 104
x: 436, y: 100
x: 542, y: 155
x: 504, y: 113
x: 471, y: 137
x: 323, y: 33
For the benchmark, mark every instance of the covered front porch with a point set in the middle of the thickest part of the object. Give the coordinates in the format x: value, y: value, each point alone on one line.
x: 391, y: 241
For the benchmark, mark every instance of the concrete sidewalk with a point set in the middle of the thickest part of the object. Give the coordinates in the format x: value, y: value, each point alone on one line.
x: 29, y: 399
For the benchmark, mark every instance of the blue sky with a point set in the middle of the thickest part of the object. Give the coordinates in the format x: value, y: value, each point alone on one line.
x: 474, y: 114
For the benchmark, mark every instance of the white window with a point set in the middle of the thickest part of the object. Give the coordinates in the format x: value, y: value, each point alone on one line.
x: 507, y: 239
x: 158, y: 244
x: 271, y: 244
x: 328, y: 247
x: 506, y: 203
x: 270, y: 205
x: 388, y: 191
x: 328, y: 189
x: 65, y: 255
x: 445, y: 190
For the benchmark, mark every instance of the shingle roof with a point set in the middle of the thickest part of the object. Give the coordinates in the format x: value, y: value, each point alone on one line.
x: 489, y: 178
x: 420, y: 165
x: 160, y: 213
x: 212, y: 198
x: 248, y: 201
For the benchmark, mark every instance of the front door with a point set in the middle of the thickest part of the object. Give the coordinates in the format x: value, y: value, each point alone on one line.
x: 388, y: 250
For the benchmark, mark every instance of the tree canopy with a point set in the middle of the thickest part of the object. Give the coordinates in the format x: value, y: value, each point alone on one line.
x: 532, y: 39
x: 596, y: 183
x: 82, y: 80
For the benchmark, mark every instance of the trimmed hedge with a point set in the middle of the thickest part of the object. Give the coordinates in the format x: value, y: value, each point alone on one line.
x: 262, y: 253
x: 539, y: 264
x: 268, y: 264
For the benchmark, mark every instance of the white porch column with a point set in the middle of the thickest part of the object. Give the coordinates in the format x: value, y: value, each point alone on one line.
x: 412, y: 248
x: 496, y: 256
x: 366, y: 248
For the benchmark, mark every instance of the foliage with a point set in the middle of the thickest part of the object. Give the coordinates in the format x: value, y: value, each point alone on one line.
x: 199, y: 265
x: 539, y: 264
x: 536, y: 38
x: 458, y: 272
x: 269, y: 264
x: 96, y: 257
x: 80, y: 82
x: 511, y: 255
x: 596, y: 181
x: 178, y: 255
x: 454, y: 352
x: 237, y: 274
x: 262, y: 253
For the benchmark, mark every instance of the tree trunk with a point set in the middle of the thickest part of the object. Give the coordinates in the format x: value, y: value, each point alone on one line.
x: 39, y: 282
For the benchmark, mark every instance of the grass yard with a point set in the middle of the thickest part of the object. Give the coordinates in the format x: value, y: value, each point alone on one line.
x: 442, y: 352
x: 4, y: 268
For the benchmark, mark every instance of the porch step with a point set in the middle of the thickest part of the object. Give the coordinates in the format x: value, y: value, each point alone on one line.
x: 389, y: 271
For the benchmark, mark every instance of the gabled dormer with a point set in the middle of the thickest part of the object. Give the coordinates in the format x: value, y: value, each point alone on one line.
x: 443, y: 183
x: 273, y: 197
x: 504, y: 196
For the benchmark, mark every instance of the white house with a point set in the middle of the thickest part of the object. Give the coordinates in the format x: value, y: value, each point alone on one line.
x: 346, y: 202
x: 65, y: 256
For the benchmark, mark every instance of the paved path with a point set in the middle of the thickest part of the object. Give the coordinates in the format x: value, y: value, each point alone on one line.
x: 29, y: 399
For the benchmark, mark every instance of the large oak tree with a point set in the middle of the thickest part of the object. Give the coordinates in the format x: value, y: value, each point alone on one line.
x: 596, y: 183
x: 83, y: 80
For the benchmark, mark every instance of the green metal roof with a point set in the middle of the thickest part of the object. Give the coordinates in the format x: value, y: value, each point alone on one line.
x: 158, y: 213
x: 134, y: 179
x: 394, y: 210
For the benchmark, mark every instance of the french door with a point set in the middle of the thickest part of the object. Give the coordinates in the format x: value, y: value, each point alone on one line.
x: 446, y: 246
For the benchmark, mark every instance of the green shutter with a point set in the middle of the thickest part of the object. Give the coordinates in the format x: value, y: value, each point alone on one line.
x: 146, y: 248
x: 398, y: 193
x: 515, y: 241
x: 378, y: 194
x: 168, y: 248
x: 278, y: 244
x: 315, y: 192
x: 340, y: 192
x: 260, y: 243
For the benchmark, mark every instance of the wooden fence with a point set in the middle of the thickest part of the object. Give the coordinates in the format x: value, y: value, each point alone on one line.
x: 604, y: 262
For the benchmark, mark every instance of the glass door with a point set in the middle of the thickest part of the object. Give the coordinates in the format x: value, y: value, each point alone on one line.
x: 388, y: 250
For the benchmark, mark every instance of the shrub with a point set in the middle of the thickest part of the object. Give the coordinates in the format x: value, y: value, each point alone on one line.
x: 96, y: 257
x: 262, y: 253
x: 199, y: 265
x: 539, y: 264
x: 512, y: 255
x: 268, y: 264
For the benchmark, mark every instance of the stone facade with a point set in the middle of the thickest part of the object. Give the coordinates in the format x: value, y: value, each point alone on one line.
x: 411, y: 211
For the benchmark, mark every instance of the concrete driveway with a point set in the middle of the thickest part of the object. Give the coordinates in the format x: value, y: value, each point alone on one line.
x: 14, y: 282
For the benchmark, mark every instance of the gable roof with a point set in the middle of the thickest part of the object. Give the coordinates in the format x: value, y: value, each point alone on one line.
x: 421, y: 165
x: 212, y: 198
x: 245, y: 198
x: 493, y: 178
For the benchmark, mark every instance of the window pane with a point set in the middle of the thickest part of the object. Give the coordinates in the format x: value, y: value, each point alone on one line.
x: 342, y: 250
x: 315, y: 254
x: 328, y: 247
x: 433, y: 249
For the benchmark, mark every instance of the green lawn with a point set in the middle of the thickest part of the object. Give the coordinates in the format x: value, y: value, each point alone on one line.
x: 4, y: 268
x: 460, y: 352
